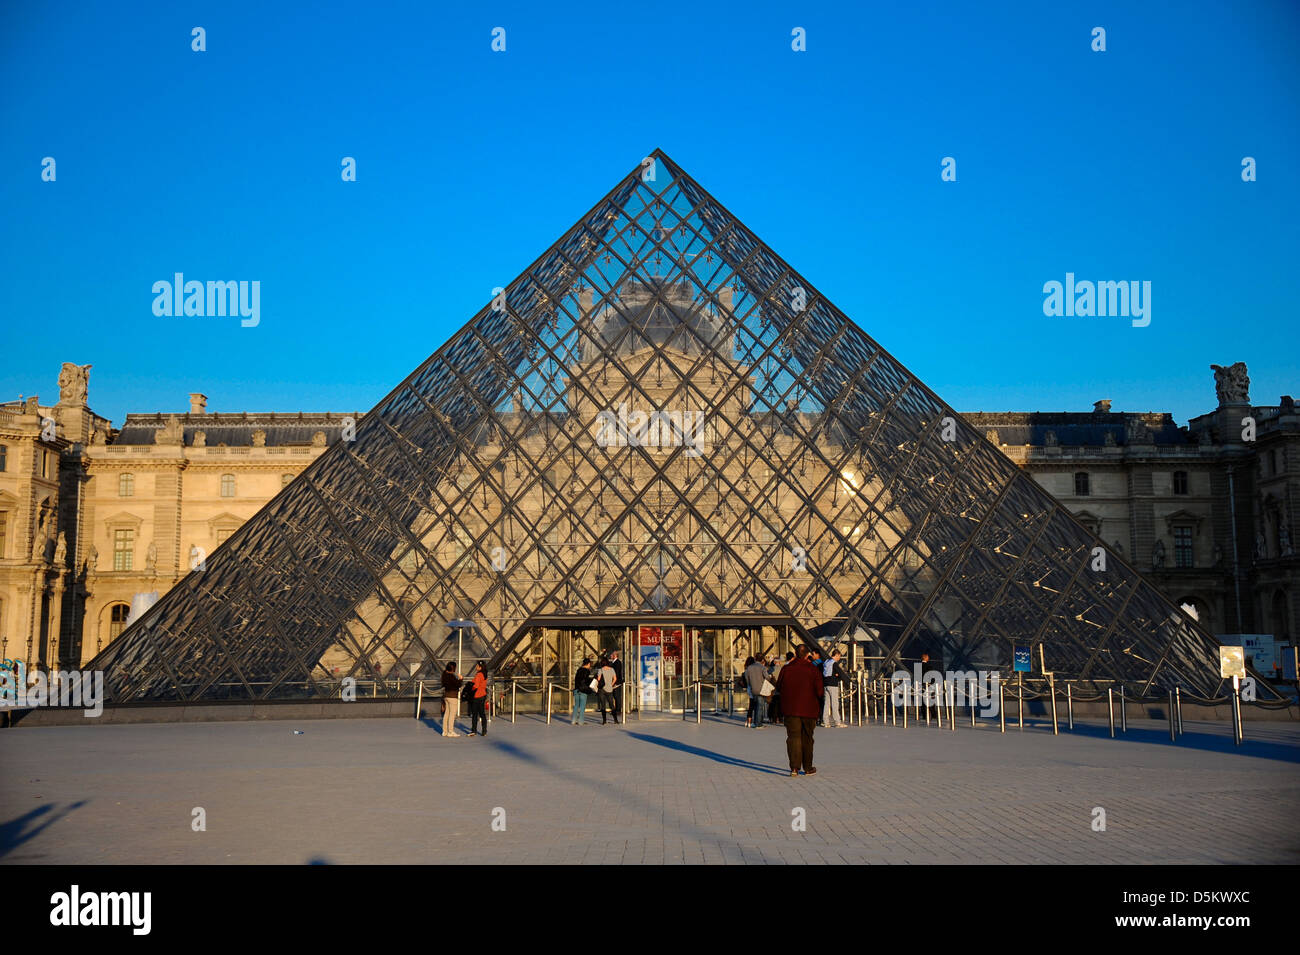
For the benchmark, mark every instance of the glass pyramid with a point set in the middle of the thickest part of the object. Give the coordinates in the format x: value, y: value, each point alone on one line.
x: 659, y: 416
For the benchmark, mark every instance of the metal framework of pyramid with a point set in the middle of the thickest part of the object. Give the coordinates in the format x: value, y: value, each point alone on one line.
x: 659, y: 415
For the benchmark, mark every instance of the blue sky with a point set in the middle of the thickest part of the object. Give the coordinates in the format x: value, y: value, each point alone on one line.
x: 225, y: 164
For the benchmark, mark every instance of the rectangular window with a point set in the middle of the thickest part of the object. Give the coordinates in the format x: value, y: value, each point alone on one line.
x: 1182, y: 547
x: 223, y: 534
x: 1081, y: 484
x: 126, y: 485
x: 123, y: 548
x: 1180, y: 482
x: 4, y: 455
x: 4, y: 532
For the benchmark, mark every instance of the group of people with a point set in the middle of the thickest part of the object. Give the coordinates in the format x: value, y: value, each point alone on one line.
x: 454, y: 689
x: 605, y: 682
x: 761, y: 677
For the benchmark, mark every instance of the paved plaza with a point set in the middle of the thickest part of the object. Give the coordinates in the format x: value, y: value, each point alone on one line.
x: 392, y: 790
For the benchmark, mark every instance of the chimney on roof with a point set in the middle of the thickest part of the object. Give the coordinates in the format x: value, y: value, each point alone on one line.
x: 198, y: 403
x: 1101, y: 407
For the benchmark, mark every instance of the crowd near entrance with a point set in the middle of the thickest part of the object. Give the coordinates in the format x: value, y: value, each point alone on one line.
x: 669, y: 667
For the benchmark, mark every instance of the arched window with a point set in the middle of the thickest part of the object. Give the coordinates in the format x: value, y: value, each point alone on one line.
x: 117, y: 619
x: 126, y: 485
x: 1081, y: 484
x: 227, y: 485
x: 1180, y: 482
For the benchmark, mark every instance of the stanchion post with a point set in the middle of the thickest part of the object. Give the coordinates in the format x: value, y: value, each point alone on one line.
x: 549, y: 688
x: 1069, y: 705
x: 1178, y: 705
x: 1173, y: 735
x: 1123, y: 711
x: 1238, y: 731
x: 1110, y: 709
x: 907, y: 689
x: 1020, y: 700
x: 419, y: 698
x: 1002, y: 707
x: 1051, y: 688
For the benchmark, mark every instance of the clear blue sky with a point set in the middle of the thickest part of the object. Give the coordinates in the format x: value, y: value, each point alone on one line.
x: 225, y: 164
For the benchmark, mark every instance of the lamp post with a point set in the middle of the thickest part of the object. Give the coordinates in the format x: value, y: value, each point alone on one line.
x: 460, y: 626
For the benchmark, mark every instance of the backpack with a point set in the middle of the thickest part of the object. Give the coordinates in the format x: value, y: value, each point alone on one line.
x: 467, y: 692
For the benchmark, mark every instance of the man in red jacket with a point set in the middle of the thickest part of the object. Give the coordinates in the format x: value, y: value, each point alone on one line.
x: 800, y: 686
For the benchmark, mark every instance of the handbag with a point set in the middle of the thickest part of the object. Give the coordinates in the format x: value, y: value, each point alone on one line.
x: 767, y: 689
x: 595, y: 686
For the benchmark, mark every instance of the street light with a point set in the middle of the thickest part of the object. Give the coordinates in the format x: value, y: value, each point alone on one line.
x: 460, y: 626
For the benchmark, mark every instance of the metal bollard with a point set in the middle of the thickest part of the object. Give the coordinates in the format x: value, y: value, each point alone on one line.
x: 419, y: 698
x: 549, y: 688
x: 513, y: 686
x: 1123, y: 711
x: 907, y: 689
x: 1002, y: 708
x: 1020, y: 702
x: 1238, y: 731
x: 1110, y: 708
x: 1178, y: 705
x: 1173, y: 735
x: 1069, y: 705
x: 1051, y: 685
x: 697, y: 702
x: 952, y: 707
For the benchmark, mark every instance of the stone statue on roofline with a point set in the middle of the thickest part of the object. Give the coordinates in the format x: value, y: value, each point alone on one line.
x: 1231, y: 383
x: 74, y: 383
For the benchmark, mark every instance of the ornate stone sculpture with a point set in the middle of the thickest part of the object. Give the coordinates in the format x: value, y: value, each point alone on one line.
x: 1261, y: 549
x: 74, y: 381
x: 1232, y: 383
x: 1158, y: 555
x: 92, y: 558
x: 200, y: 439
x: 1284, y: 540
x: 318, y: 439
x: 61, y: 551
x: 259, y: 438
x: 151, y: 558
x: 173, y: 432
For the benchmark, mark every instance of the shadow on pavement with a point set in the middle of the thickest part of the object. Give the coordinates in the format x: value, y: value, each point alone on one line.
x: 23, y: 829
x: 709, y: 754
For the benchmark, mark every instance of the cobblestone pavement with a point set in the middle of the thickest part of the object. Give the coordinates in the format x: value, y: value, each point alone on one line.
x: 348, y: 791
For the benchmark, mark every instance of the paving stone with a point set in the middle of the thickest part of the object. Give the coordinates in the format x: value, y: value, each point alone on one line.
x: 388, y: 790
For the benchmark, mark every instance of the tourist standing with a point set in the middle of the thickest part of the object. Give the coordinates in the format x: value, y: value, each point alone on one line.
x: 616, y: 665
x: 606, y: 680
x: 744, y: 681
x: 755, y: 677
x: 832, y: 679
x: 478, y: 702
x: 581, y: 687
x: 450, y: 699
x: 778, y: 664
x: 800, y: 686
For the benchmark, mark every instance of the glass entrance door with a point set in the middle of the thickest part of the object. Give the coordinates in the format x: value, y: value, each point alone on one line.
x: 664, y: 668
